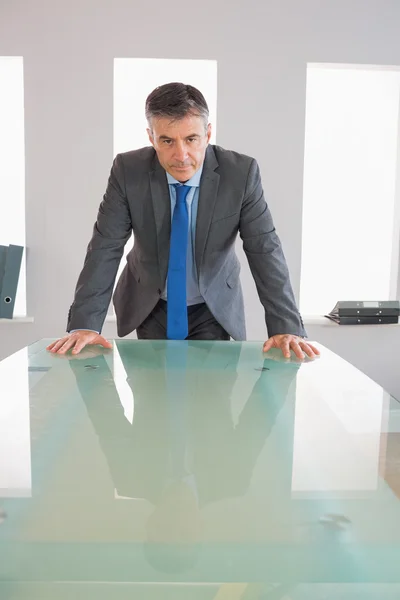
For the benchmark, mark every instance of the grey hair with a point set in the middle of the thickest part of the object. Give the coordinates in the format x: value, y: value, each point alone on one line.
x: 176, y: 100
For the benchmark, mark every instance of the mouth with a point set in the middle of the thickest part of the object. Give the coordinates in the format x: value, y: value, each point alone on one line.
x: 182, y: 168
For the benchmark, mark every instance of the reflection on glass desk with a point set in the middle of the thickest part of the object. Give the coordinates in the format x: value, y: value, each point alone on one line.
x: 196, y: 470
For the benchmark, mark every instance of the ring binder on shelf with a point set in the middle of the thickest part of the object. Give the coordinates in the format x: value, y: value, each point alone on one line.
x: 365, y: 312
x: 10, y: 266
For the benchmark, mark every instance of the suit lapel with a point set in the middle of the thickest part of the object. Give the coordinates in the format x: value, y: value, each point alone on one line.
x: 162, y: 214
x: 207, y: 199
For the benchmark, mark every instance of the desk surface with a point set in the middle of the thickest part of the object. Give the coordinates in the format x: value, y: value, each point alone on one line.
x: 196, y: 470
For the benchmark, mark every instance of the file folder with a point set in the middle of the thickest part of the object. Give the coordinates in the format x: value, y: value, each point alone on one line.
x: 10, y: 266
x: 362, y: 320
x: 365, y: 312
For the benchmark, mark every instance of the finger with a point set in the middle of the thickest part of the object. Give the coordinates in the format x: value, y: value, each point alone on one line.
x: 307, y: 349
x: 105, y: 343
x: 66, y: 346
x: 314, y: 349
x: 296, y: 349
x: 285, y: 348
x: 267, y: 345
x: 57, y: 345
x: 78, y: 347
x: 50, y: 346
x: 97, y: 339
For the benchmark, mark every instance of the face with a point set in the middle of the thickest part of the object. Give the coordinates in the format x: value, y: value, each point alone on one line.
x: 180, y: 145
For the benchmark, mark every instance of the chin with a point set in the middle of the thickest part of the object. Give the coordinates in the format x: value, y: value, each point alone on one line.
x: 184, y: 175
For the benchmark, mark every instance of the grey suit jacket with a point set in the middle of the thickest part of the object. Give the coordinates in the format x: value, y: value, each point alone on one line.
x: 231, y: 201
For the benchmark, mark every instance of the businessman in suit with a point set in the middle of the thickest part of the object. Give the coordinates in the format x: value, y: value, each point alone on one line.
x: 186, y: 201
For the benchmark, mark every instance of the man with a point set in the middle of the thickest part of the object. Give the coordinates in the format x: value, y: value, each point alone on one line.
x: 185, y: 201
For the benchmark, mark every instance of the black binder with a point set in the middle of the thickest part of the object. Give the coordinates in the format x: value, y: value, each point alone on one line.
x: 365, y: 312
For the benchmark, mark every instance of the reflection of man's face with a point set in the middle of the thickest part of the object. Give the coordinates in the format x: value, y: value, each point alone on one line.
x: 176, y: 518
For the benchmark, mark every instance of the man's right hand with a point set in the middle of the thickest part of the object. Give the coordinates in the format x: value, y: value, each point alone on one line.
x: 78, y: 340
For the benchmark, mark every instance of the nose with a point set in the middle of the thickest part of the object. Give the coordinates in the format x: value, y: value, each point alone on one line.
x: 181, y: 153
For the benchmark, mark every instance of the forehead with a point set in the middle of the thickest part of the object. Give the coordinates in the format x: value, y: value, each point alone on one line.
x: 178, y: 128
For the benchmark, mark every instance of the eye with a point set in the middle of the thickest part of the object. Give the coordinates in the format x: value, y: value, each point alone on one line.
x: 167, y: 142
x: 192, y: 139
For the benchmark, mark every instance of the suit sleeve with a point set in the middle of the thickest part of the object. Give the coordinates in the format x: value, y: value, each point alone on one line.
x: 111, y: 231
x: 267, y: 261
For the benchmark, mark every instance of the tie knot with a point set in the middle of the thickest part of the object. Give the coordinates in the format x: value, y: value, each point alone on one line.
x: 181, y: 192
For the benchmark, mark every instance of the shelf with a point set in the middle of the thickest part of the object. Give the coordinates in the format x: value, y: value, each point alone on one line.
x: 17, y: 320
x: 325, y: 322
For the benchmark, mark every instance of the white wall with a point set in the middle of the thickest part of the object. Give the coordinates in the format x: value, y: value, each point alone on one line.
x: 262, y: 49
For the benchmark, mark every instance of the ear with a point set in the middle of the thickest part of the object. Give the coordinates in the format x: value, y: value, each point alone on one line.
x: 150, y: 136
x: 208, y: 132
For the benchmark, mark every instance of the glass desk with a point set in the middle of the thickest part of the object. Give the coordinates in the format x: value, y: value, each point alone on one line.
x: 196, y: 470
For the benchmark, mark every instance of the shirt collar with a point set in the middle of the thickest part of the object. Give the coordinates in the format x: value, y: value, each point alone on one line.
x: 192, y: 182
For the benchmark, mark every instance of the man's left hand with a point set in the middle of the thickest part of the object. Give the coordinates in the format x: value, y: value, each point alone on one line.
x: 287, y: 342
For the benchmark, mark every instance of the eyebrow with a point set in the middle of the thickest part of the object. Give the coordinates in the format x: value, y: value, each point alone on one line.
x: 166, y: 137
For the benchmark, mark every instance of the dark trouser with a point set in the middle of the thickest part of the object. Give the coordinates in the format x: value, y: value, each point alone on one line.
x: 202, y: 324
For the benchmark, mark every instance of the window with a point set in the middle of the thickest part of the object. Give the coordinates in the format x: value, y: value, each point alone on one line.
x: 12, y: 164
x: 134, y: 79
x: 15, y: 432
x: 351, y: 225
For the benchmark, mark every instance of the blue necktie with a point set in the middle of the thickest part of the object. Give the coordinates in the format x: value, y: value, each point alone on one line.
x: 177, y: 321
